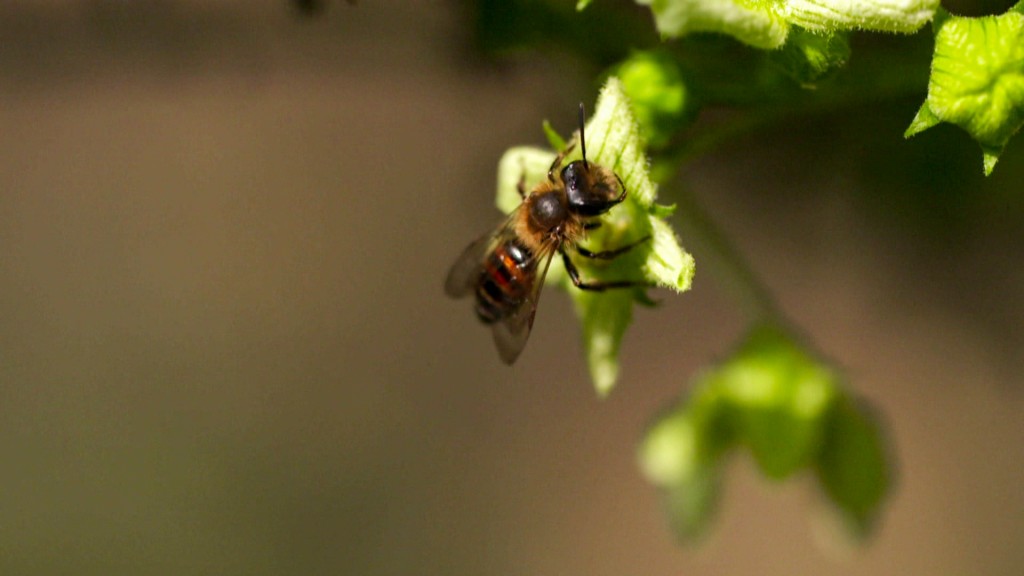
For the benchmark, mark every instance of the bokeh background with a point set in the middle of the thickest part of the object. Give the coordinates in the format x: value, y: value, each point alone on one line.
x: 224, y: 347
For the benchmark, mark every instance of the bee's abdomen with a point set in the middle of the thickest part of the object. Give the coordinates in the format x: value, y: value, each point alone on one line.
x: 506, y: 280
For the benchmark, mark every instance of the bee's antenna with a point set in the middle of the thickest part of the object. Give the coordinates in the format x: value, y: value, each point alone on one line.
x: 583, y: 143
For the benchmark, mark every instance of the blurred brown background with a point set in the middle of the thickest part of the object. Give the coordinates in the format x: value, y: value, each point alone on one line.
x: 224, y: 347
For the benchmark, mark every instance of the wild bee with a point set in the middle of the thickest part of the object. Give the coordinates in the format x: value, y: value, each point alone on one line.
x: 505, y: 269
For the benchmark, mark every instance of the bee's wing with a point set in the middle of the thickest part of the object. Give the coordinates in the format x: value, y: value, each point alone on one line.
x: 463, y: 276
x: 512, y: 332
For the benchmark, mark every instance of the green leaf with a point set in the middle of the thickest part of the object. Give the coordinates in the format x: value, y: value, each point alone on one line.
x: 775, y: 398
x: 662, y: 210
x: 989, y: 157
x: 670, y: 452
x: 977, y: 80
x: 582, y: 4
x: 667, y: 263
x: 924, y: 120
x: 680, y: 454
x: 852, y: 467
x: 528, y: 163
x: 779, y: 397
x: 605, y: 318
x: 555, y: 139
x: 808, y: 56
x: 752, y: 23
x: 901, y: 16
x: 654, y: 85
x: 766, y: 24
x: 613, y: 141
x: 692, y: 504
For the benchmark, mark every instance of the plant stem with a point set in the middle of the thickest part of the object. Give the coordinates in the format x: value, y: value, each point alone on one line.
x: 726, y: 261
x: 707, y: 141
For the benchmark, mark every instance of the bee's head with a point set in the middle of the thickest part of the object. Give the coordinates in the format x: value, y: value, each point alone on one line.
x: 590, y: 189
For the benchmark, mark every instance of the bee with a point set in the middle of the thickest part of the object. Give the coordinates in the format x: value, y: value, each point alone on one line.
x: 505, y: 269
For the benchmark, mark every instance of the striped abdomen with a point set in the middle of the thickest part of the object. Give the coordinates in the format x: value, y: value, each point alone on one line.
x: 506, y: 280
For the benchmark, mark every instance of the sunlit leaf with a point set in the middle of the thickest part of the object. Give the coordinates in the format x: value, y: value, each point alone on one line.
x: 750, y: 23
x: 767, y: 25
x: 977, y: 79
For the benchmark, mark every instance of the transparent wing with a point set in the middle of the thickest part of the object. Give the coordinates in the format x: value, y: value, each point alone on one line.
x: 465, y: 273
x: 512, y: 332
x: 463, y: 276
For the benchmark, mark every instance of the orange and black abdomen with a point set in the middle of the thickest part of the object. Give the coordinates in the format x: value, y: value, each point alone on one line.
x: 505, y: 281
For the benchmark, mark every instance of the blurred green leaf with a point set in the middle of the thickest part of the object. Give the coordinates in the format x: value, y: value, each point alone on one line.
x: 693, y: 503
x: 599, y: 35
x: 681, y: 454
x: 807, y: 56
x: 604, y: 318
x: 555, y: 139
x: 852, y: 467
x: 776, y: 398
x: 654, y: 85
x: 662, y: 210
x: 688, y: 436
x: 779, y: 397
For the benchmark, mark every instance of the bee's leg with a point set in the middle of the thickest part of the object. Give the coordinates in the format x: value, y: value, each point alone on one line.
x: 574, y: 275
x: 521, y: 185
x: 558, y: 161
x: 623, y: 186
x: 609, y: 254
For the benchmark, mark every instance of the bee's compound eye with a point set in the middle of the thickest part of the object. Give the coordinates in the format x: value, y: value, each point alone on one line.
x: 588, y: 190
x: 577, y: 190
x: 547, y: 211
x: 571, y: 177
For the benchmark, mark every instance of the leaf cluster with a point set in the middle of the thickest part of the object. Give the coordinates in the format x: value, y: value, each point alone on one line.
x: 766, y: 61
x: 763, y: 56
x: 790, y: 411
